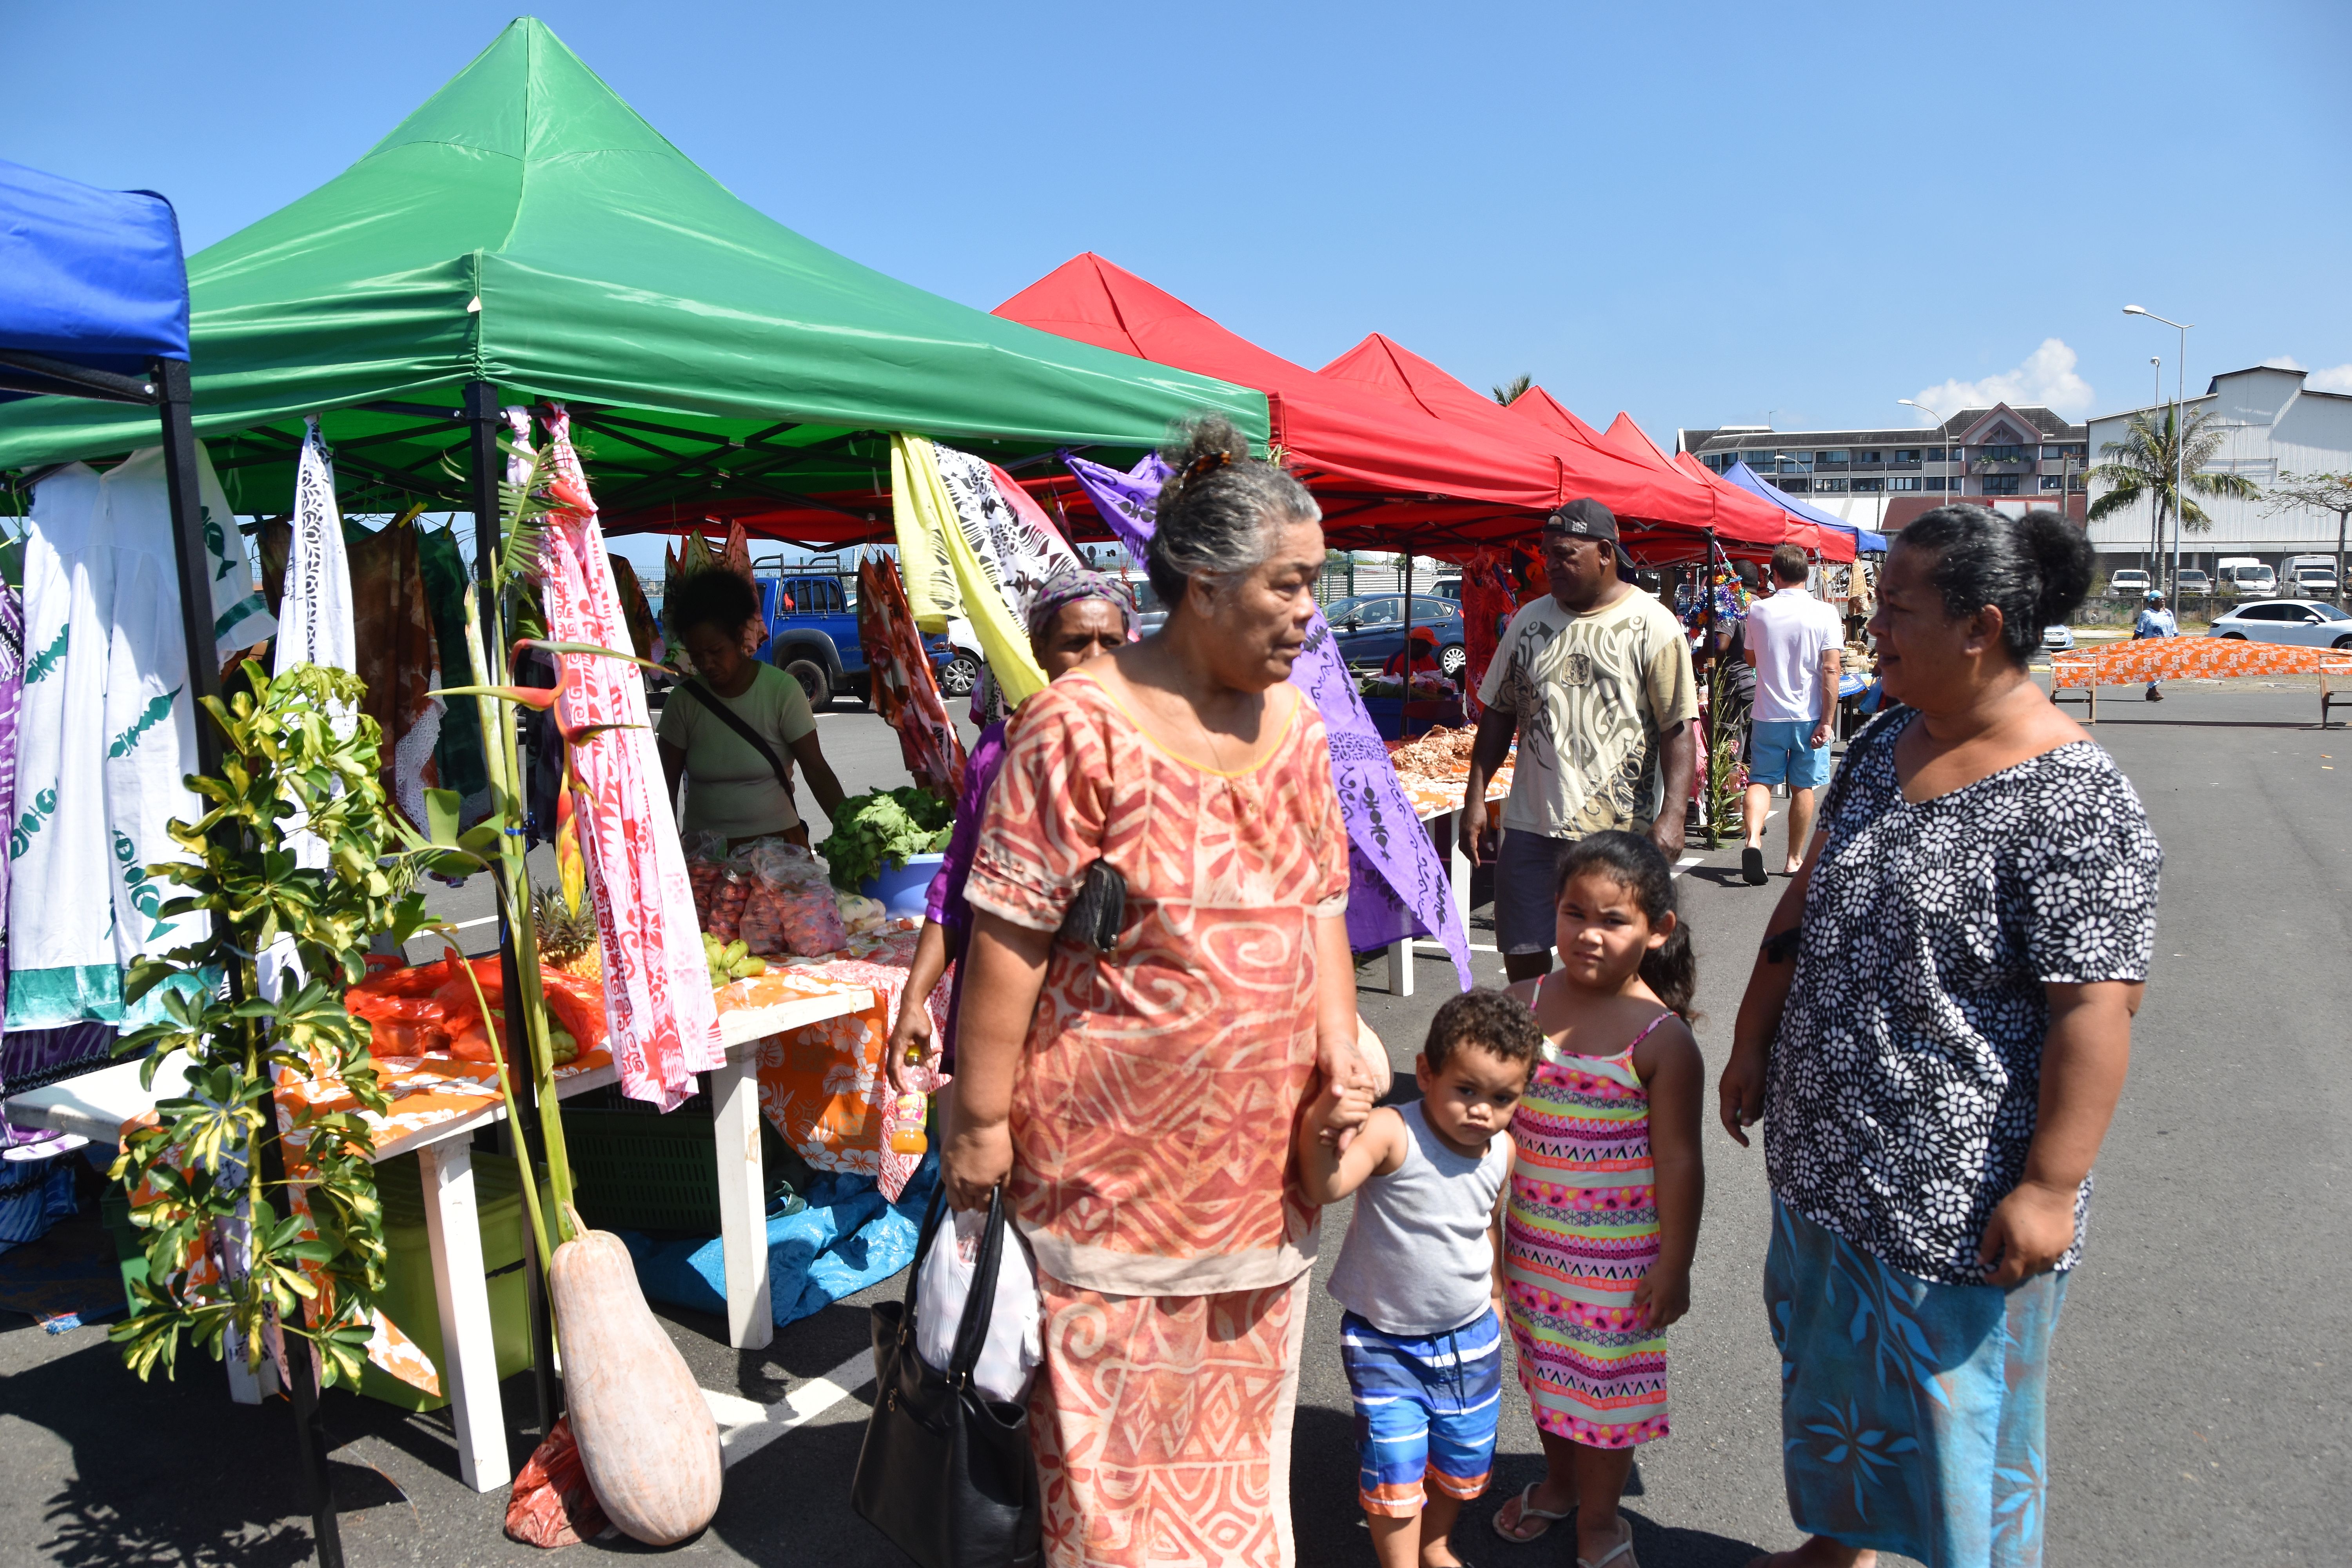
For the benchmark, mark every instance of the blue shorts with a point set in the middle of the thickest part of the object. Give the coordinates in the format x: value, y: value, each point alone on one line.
x: 1782, y: 750
x: 1426, y: 1408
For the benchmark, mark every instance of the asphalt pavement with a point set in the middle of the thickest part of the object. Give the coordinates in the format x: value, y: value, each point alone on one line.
x: 2201, y: 1376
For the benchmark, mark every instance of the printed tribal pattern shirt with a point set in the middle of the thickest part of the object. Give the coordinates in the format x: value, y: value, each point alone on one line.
x: 1905, y: 1080
x: 1593, y: 694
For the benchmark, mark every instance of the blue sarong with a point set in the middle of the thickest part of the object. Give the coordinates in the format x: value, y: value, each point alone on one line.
x: 1911, y: 1411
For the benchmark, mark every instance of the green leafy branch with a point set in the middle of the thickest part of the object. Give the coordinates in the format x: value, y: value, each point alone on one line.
x: 297, y: 754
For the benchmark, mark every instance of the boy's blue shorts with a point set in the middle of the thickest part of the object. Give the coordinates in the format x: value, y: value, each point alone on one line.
x: 1424, y: 1408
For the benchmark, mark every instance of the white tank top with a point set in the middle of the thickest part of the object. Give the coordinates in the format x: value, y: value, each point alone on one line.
x: 1417, y: 1260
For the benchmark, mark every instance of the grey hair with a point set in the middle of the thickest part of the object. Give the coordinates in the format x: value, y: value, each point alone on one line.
x: 1218, y: 512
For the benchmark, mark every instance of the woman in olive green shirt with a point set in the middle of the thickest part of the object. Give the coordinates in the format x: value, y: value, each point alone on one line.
x: 731, y: 789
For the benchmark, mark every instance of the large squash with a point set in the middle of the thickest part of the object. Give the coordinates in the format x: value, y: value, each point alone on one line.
x: 645, y: 1432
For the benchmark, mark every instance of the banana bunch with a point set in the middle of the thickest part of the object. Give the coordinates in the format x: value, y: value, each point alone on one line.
x: 730, y: 961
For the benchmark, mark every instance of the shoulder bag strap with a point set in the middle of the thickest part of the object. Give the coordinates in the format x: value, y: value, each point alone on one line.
x: 980, y: 1303
x: 734, y: 720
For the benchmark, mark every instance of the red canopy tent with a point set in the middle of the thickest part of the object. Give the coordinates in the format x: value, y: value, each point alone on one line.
x: 1661, y: 516
x: 1388, y: 475
x: 1738, y: 529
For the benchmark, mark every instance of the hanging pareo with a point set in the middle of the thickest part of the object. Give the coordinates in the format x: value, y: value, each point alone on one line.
x: 106, y: 730
x: 657, y: 1001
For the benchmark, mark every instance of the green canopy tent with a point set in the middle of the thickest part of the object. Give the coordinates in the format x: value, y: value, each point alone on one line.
x: 526, y: 235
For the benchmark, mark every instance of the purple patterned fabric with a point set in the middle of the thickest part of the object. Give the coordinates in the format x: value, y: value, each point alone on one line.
x: 945, y: 905
x: 11, y: 694
x: 1397, y: 886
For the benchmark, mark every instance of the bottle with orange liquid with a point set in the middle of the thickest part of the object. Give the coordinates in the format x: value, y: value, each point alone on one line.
x: 906, y: 1137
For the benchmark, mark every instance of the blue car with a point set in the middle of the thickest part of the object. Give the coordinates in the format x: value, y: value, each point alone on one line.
x: 812, y: 637
x: 1371, y: 629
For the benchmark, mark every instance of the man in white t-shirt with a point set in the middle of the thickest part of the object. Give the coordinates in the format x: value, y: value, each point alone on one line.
x: 1797, y: 644
x: 1595, y: 679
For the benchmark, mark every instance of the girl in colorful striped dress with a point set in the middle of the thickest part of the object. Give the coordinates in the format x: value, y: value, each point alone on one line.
x: 1605, y: 1190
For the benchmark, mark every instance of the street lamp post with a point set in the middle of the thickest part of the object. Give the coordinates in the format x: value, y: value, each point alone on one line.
x: 2155, y: 511
x: 2180, y: 447
x: 1940, y: 432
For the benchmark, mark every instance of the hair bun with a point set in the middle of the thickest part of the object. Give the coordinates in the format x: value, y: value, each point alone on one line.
x: 2063, y: 552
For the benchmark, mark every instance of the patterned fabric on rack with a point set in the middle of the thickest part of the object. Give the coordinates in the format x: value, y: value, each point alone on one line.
x: 458, y: 757
x: 12, y: 693
x: 644, y: 632
x: 1581, y: 1230
x: 399, y: 658
x: 905, y: 692
x: 664, y: 1027
x: 105, y: 731
x: 1162, y: 1424
x: 1486, y: 606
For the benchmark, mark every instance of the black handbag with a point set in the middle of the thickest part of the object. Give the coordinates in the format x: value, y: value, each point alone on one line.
x: 946, y: 1471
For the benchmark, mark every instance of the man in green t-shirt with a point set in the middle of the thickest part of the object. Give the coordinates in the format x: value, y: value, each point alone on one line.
x: 1595, y: 682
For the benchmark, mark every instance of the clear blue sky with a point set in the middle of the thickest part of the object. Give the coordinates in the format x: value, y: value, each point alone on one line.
x: 1696, y: 212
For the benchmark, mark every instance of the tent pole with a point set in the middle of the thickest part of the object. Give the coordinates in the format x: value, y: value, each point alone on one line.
x: 483, y: 422
x: 1405, y: 719
x: 1707, y: 801
x: 189, y: 554
x: 188, y: 551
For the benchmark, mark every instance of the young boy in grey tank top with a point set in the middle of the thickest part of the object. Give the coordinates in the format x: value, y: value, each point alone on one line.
x: 1419, y: 1272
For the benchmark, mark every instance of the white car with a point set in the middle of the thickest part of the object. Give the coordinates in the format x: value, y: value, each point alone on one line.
x: 2306, y: 623
x: 2129, y: 580
x: 2058, y: 637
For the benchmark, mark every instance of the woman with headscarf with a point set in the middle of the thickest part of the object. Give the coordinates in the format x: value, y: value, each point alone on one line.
x: 1075, y: 616
x: 1134, y: 1083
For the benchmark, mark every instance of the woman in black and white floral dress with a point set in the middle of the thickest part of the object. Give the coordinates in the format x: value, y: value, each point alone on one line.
x: 1935, y: 1036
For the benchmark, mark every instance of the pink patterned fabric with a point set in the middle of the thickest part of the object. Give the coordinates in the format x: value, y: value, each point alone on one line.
x: 657, y: 1001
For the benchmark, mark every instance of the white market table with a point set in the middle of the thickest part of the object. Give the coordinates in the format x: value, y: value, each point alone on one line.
x: 97, y: 1104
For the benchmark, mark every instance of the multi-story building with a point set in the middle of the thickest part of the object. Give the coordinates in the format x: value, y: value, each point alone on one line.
x: 2012, y: 459
x: 2271, y: 423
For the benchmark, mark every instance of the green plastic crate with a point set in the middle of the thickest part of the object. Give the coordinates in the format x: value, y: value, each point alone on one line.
x: 408, y: 1298
x: 633, y: 1169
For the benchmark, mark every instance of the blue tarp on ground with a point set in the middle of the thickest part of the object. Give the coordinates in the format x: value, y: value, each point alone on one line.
x: 1748, y: 480
x: 89, y: 276
x: 845, y: 1240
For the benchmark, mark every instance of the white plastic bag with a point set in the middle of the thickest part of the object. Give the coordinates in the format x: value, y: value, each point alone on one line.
x: 1015, y: 1341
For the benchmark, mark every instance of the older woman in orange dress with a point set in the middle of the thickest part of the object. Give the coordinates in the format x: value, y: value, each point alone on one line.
x: 1138, y: 1099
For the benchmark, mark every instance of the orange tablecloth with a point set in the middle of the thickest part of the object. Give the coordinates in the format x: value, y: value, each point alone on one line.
x: 2145, y: 659
x: 822, y: 1087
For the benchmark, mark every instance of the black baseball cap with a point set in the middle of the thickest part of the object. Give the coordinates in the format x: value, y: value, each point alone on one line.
x: 1585, y: 518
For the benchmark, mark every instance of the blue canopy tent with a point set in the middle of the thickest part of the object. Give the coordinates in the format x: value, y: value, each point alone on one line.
x: 94, y: 303
x: 1747, y: 478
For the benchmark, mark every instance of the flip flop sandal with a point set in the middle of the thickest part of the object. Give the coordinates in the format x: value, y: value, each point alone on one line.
x: 1527, y: 1511
x: 1621, y: 1553
x: 1752, y: 866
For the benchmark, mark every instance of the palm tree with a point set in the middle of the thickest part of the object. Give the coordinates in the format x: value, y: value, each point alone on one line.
x: 1511, y: 391
x: 2142, y: 463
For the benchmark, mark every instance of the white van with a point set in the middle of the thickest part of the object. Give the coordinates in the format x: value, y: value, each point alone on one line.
x: 2304, y: 576
x: 2244, y: 575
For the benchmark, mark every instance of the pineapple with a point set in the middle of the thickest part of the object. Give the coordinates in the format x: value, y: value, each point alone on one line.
x: 567, y: 937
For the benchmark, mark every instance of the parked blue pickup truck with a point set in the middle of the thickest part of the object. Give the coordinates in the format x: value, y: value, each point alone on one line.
x: 812, y: 637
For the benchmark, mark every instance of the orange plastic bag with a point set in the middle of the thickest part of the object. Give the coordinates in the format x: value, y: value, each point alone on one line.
x: 553, y: 1505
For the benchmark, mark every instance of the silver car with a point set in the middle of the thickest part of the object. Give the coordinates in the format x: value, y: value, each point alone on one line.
x: 2060, y: 635
x: 2306, y: 623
